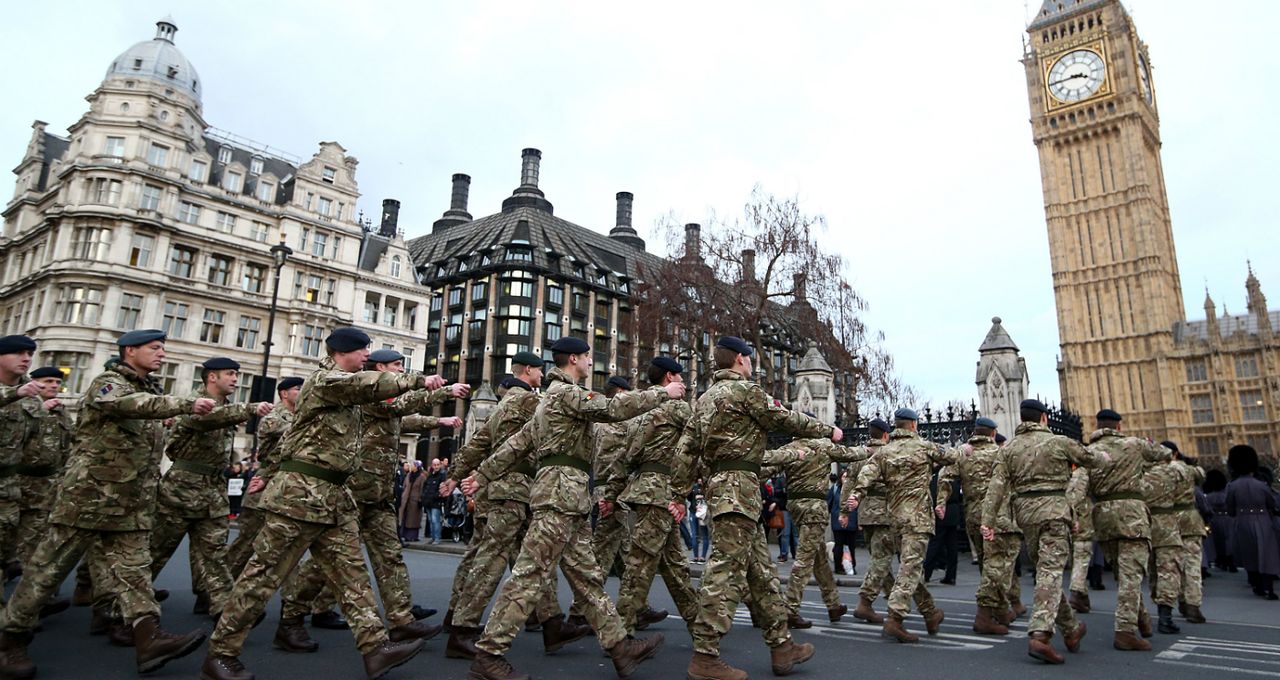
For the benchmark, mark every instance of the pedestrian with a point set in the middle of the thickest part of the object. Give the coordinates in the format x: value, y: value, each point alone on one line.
x: 235, y: 480
x: 944, y: 547
x: 701, y: 522
x: 431, y: 500
x: 1221, y: 525
x: 1252, y: 504
x: 409, y: 508
x: 844, y: 529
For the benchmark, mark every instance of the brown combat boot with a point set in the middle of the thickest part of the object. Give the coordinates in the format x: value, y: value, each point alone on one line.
x: 707, y: 667
x: 54, y: 606
x: 490, y: 667
x: 864, y: 611
x: 119, y: 633
x: 292, y: 636
x: 418, y: 630
x: 1144, y: 624
x: 650, y: 616
x: 558, y: 632
x: 786, y: 655
x: 1080, y: 602
x: 755, y: 620
x: 154, y: 647
x: 462, y: 643
x: 1040, y: 646
x: 14, y: 662
x: 893, y: 628
x: 532, y: 624
x: 1072, y: 639
x: 388, y: 655
x: 448, y: 621
x: 1128, y: 642
x: 837, y: 613
x: 631, y: 652
x: 1192, y: 614
x: 578, y: 620
x: 985, y: 623
x: 933, y: 621
x: 224, y: 668
x: 201, y: 605
x: 100, y: 621
x: 82, y: 596
x: 797, y: 622
x: 1018, y: 609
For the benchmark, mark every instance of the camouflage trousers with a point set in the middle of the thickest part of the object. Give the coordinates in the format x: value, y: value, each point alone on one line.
x: 609, y: 539
x: 208, y: 552
x: 656, y: 548
x: 738, y: 548
x: 908, y: 585
x: 553, y: 538
x: 10, y: 517
x: 1049, y: 547
x: 121, y: 570
x: 494, y: 541
x: 461, y: 574
x: 250, y: 523
x: 882, y: 544
x: 998, y: 586
x: 276, y: 551
x: 1128, y: 558
x: 32, y: 525
x: 1192, y: 581
x: 1165, y: 567
x: 812, y: 518
x: 1081, y: 556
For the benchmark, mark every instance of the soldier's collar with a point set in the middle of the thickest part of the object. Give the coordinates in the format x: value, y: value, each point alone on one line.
x: 519, y: 384
x: 900, y: 433
x: 981, y: 439
x: 726, y: 374
x: 1104, y: 432
x: 327, y: 363
x: 559, y: 374
x: 1030, y: 427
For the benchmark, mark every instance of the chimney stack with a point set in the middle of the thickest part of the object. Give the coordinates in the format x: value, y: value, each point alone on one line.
x: 457, y: 212
x: 797, y: 286
x: 531, y: 159
x: 622, y: 230
x: 749, y: 265
x: 693, y: 241
x: 390, y: 217
x: 528, y: 195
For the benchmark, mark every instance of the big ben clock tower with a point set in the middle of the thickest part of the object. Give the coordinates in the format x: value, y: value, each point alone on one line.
x: 1096, y: 124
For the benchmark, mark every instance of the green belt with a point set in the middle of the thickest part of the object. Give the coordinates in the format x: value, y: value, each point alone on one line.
x: 525, y: 469
x: 198, y: 468
x: 806, y: 495
x: 1180, y: 507
x: 36, y: 470
x: 561, y: 459
x: 1041, y: 493
x: 8, y: 470
x: 1122, y: 496
x: 331, y: 476
x: 1183, y: 507
x: 740, y: 465
x: 654, y: 467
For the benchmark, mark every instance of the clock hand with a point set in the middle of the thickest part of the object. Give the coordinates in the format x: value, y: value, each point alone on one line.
x: 1068, y: 78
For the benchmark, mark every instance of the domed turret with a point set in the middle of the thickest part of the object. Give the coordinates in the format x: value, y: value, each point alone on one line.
x: 158, y: 60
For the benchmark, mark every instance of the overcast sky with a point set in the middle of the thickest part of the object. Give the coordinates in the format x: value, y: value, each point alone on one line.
x: 905, y: 123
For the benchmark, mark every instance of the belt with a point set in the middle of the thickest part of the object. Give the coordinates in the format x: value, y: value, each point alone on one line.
x: 806, y: 495
x: 198, y: 468
x: 563, y: 460
x: 323, y: 473
x: 1122, y: 496
x: 1252, y: 511
x: 526, y: 469
x: 874, y: 494
x: 1041, y: 493
x: 1183, y: 507
x: 8, y: 470
x: 1164, y: 511
x: 660, y: 468
x: 36, y: 470
x: 740, y: 465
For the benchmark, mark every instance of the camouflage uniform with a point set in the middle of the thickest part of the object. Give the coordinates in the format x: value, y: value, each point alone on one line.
x: 1034, y: 469
x: 9, y: 394
x: 271, y: 430
x: 1191, y: 526
x: 727, y: 433
x: 558, y: 437
x: 42, y: 463
x: 309, y: 506
x: 905, y: 465
x: 807, y: 484
x: 1082, y: 532
x: 1121, y: 521
x: 873, y: 519
x: 20, y: 428
x: 999, y: 587
x: 612, y: 534
x: 193, y: 498
x: 106, y: 499
x: 1163, y: 486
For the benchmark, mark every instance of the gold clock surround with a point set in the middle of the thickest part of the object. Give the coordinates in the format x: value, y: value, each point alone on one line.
x: 1052, y: 103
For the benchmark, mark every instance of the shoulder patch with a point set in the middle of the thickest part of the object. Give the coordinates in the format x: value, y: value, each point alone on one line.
x: 591, y: 395
x: 106, y: 389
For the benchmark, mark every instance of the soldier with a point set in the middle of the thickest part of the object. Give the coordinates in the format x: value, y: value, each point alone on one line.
x: 807, y: 480
x: 873, y: 519
x: 192, y: 497
x: 372, y: 487
x: 905, y: 465
x: 1081, y: 539
x: 999, y: 588
x: 1192, y: 527
x: 1163, y: 483
x: 1121, y: 522
x: 20, y: 420
x: 558, y: 437
x: 42, y: 463
x: 656, y: 546
x: 309, y: 507
x: 106, y: 498
x: 1033, y: 470
x: 727, y: 433
x: 501, y: 520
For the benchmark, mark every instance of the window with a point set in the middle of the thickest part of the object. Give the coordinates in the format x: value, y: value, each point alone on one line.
x: 211, y: 328
x: 151, y: 197
x: 158, y: 155
x: 410, y: 316
x: 255, y: 278
x: 224, y: 155
x: 303, y: 237
x: 580, y: 302
x: 1197, y: 371
x: 168, y: 376
x: 107, y: 191
x: 244, y: 388
x: 328, y: 175
x: 189, y: 213
x: 114, y: 147
x: 182, y: 261
x: 74, y: 365
x: 603, y: 308
x: 389, y: 311
x: 311, y: 340
x: 90, y: 243
x: 518, y: 327
x: 325, y: 206
x: 1252, y: 408
x: 311, y: 292
x: 1208, y: 446
x: 319, y: 243
x: 266, y: 192
x: 395, y: 266
x: 226, y: 222
x: 199, y: 171
x: 555, y: 296
x: 219, y: 270
x: 130, y: 311
x: 435, y: 302
x: 79, y: 305
x: 174, y: 323
x: 519, y: 255
x: 140, y: 250
x: 247, y: 336
x: 1247, y: 367
x: 455, y: 296
x: 259, y: 231
x: 255, y: 166
x: 479, y: 291
x: 310, y: 199
x: 371, y: 308
x: 517, y: 288
x: 232, y: 182
x: 1201, y: 408
x: 554, y: 332
x: 408, y: 358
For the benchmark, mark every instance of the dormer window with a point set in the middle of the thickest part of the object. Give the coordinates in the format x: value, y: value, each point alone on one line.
x: 173, y: 72
x: 255, y: 166
x: 137, y: 64
x: 328, y: 175
x: 224, y: 155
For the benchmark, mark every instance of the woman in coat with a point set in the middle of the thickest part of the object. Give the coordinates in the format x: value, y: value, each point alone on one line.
x: 410, y: 511
x: 1252, y: 503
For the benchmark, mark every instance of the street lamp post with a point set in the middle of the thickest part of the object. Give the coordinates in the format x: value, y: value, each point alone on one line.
x: 279, y: 254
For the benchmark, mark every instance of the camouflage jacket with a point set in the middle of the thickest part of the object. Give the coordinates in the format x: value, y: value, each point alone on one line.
x: 44, y: 459
x: 381, y: 425
x: 559, y: 439
x: 515, y: 409
x: 651, y: 449
x: 974, y: 469
x: 608, y: 465
x: 1119, y: 509
x: 728, y: 431
x: 203, y: 441
x: 905, y: 465
x: 325, y: 434
x: 873, y: 505
x: 19, y: 431
x: 271, y: 430
x: 1081, y: 504
x: 1161, y: 485
x: 9, y: 394
x: 1190, y: 523
x: 1033, y: 469
x: 809, y: 479
x: 111, y: 475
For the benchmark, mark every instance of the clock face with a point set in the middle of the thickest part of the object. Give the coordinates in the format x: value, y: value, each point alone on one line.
x: 1077, y: 76
x: 1144, y: 79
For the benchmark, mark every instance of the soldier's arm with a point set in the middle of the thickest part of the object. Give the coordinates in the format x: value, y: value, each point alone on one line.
x: 946, y: 481
x: 419, y: 423
x: 848, y: 454
x: 1078, y: 490
x: 1197, y: 473
x: 1081, y: 456
x: 598, y: 408
x: 779, y: 459
x: 270, y: 424
x: 227, y: 415
x: 776, y: 418
x: 467, y: 458
x: 997, y: 490
x: 686, y: 460
x: 517, y: 448
x: 942, y: 455
x: 8, y: 394
x: 1155, y: 453
x: 140, y: 405
x: 413, y: 403
x: 364, y: 387
x: 867, y: 476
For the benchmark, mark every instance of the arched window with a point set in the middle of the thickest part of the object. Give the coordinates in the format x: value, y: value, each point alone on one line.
x: 395, y: 266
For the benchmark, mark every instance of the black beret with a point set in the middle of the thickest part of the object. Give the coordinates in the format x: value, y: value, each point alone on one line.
x: 1033, y: 404
x: 1166, y: 443
x: 48, y: 372
x: 220, y: 364
x: 668, y: 364
x: 570, y: 345
x: 905, y: 414
x: 618, y: 381
x: 140, y: 337
x: 288, y: 383
x: 1000, y: 439
x: 527, y: 358
x: 385, y: 356
x: 879, y: 424
x: 1108, y: 414
x: 347, y: 339
x: 736, y: 344
x: 985, y: 422
x: 811, y: 415
x: 12, y: 344
x: 512, y: 381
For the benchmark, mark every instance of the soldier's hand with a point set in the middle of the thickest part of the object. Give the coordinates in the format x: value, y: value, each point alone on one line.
x: 967, y: 448
x: 844, y: 521
x: 837, y: 435
x: 678, y: 510
x: 470, y: 485
x: 30, y: 389
x: 203, y: 406
x: 168, y: 422
x: 432, y: 382
x: 987, y: 533
x: 263, y: 408
x: 256, y: 484
x: 460, y: 390
x: 1075, y: 526
x: 852, y: 504
x: 606, y: 508
x: 446, y: 487
x: 675, y: 390
x: 50, y: 404
x: 1106, y: 457
x: 450, y: 421
x: 940, y: 511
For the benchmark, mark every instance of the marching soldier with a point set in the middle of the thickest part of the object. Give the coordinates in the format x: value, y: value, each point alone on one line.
x: 1163, y: 484
x: 20, y: 428
x: 873, y: 519
x: 1081, y: 539
x: 43, y: 463
x: 1191, y: 526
